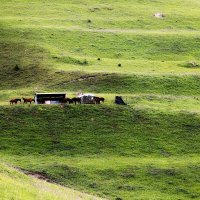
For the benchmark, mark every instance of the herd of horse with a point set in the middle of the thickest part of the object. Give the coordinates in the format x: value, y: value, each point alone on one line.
x: 26, y: 100
x: 75, y: 100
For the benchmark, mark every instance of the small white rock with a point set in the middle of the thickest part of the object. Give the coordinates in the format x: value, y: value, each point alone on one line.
x: 159, y: 15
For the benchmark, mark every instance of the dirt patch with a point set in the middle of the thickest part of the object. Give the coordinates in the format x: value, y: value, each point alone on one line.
x: 38, y: 175
x: 95, y: 9
x: 160, y: 172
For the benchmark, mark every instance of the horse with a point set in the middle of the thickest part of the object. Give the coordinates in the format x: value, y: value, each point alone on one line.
x: 18, y: 100
x: 101, y: 99
x: 28, y: 100
x: 76, y: 100
x: 98, y: 100
x: 12, y: 101
x: 67, y: 100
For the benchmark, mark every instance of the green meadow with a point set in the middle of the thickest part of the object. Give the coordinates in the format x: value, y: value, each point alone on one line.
x: 146, y: 150
x: 16, y: 185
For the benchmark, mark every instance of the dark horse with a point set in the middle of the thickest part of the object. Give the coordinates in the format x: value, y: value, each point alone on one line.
x: 28, y: 100
x: 14, y: 101
x: 98, y: 100
x: 76, y: 100
x: 67, y: 100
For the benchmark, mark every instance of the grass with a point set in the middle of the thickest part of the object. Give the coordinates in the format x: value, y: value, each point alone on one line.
x: 74, y: 14
x: 146, y: 150
x: 148, y: 45
x: 107, y: 150
x: 16, y: 185
x: 96, y: 83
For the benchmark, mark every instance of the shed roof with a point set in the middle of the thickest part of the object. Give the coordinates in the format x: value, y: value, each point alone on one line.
x: 50, y: 93
x: 86, y: 94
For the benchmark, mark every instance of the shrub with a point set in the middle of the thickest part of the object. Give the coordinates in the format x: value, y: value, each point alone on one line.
x: 16, y: 68
x: 85, y: 62
x: 70, y: 60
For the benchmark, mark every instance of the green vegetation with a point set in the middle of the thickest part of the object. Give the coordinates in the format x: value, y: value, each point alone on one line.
x: 16, y: 185
x: 108, y: 150
x: 146, y: 150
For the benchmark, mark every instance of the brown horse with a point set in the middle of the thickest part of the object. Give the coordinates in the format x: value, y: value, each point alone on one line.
x: 28, y: 100
x: 14, y: 101
x: 76, y: 100
x: 67, y: 100
x: 98, y: 100
x: 101, y: 99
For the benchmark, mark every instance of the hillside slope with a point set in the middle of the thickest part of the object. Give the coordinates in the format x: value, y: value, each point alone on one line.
x: 56, y: 45
x: 15, y: 185
x: 109, y: 150
x: 146, y: 150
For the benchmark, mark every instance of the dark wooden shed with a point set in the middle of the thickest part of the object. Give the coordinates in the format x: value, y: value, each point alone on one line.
x: 49, y: 98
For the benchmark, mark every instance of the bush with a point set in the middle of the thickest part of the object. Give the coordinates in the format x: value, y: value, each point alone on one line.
x: 70, y: 60
x: 118, y: 198
x: 16, y: 68
x: 85, y: 62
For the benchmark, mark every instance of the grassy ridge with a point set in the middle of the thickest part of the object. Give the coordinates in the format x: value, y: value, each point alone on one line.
x: 108, y: 150
x: 99, y: 83
x: 80, y: 119
x: 112, y: 45
x: 134, y: 47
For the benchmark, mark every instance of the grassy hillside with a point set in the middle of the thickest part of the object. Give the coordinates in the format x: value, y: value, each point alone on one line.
x: 16, y: 185
x: 146, y: 150
x: 64, y: 37
x: 56, y: 46
x: 110, y: 150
